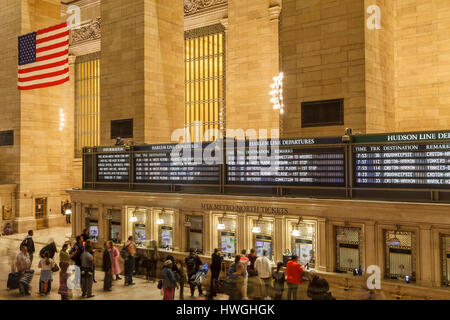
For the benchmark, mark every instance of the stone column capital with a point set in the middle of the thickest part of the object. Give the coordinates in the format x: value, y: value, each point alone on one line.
x: 274, y: 13
x: 224, y: 22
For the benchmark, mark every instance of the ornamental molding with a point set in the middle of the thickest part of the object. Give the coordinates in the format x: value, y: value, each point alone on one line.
x: 88, y: 32
x: 194, y: 6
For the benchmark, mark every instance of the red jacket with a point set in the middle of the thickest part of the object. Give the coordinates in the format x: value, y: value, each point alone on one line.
x: 294, y: 272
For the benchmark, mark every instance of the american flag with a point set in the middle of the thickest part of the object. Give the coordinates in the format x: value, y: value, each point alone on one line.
x: 44, y: 58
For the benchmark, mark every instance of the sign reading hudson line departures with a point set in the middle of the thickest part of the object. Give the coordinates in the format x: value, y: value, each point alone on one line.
x: 397, y: 164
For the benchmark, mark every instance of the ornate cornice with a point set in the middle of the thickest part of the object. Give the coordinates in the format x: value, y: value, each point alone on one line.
x: 193, y: 6
x: 88, y: 32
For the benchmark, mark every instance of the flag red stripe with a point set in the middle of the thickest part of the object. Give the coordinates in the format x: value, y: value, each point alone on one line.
x: 46, y: 66
x: 56, y: 36
x: 43, y: 85
x: 53, y: 46
x: 45, y: 75
x: 53, y: 28
x: 54, y: 55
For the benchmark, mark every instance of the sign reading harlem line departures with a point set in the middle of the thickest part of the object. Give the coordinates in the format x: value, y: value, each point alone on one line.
x: 417, y: 164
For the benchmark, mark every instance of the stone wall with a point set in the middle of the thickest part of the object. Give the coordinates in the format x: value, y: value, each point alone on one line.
x: 142, y: 67
x: 380, y: 70
x: 322, y: 54
x: 423, y: 64
x: 252, y: 59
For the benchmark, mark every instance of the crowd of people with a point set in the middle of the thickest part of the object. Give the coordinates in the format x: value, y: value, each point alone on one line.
x: 249, y: 277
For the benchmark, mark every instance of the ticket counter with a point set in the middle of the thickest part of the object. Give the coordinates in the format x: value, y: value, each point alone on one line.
x: 165, y: 224
x: 91, y: 216
x: 303, y: 241
x: 348, y: 249
x: 225, y: 234
x: 262, y: 230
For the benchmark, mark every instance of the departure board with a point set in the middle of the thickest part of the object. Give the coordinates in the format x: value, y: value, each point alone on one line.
x: 113, y: 167
x: 402, y: 165
x: 291, y: 164
x: 157, y: 164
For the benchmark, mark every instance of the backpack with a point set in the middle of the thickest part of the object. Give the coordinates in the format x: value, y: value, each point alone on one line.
x: 125, y: 253
x: 279, y: 277
x: 190, y: 263
x: 24, y: 243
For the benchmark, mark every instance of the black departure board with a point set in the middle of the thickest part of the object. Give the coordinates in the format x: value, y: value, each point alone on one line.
x: 421, y: 165
x: 175, y: 164
x: 296, y: 162
x: 113, y: 165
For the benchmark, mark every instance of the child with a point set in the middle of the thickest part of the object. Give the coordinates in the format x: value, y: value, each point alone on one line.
x: 182, y: 277
x: 64, y: 291
x: 46, y: 264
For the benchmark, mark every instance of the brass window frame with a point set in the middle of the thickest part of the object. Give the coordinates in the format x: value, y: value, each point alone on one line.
x: 205, y: 81
x: 40, y: 213
x: 87, y: 102
x: 338, y: 267
x: 387, y: 273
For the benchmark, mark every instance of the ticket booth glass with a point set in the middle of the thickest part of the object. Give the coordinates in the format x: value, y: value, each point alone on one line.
x: 348, y: 249
x: 165, y: 229
x: 227, y: 237
x: 137, y: 225
x: 115, y: 226
x: 263, y: 239
x: 92, y: 224
x: 195, y: 232
x: 304, y: 242
x: 400, y: 258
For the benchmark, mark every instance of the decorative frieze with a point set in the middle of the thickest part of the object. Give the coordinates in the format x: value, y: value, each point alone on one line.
x: 88, y: 32
x: 193, y: 6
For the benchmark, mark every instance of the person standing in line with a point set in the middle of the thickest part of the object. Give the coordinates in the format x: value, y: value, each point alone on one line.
x: 246, y: 263
x: 182, y: 277
x: 115, y: 254
x: 279, y: 277
x: 237, y: 277
x: 233, y: 267
x: 193, y: 264
x: 64, y: 256
x: 29, y: 243
x: 46, y: 264
x: 22, y: 265
x: 107, y: 267
x: 169, y: 282
x: 252, y: 259
x: 293, y: 277
x: 87, y: 261
x: 64, y: 291
x: 216, y: 265
x: 264, y: 268
x: 92, y: 251
x: 76, y: 251
x: 85, y: 236
x: 130, y: 261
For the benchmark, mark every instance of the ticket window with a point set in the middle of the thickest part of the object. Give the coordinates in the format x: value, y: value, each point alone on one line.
x: 195, y: 232
x: 115, y: 227
x: 227, y: 236
x: 137, y: 225
x: 400, y: 254
x: 348, y: 249
x: 263, y: 238
x: 446, y: 260
x: 303, y: 242
x: 164, y: 221
x: 92, y: 224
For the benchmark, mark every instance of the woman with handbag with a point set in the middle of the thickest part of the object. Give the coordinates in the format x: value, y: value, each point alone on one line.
x: 48, y: 266
x: 169, y: 282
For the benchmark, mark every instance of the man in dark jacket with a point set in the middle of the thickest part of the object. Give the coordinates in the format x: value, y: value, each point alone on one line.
x: 193, y: 264
x: 107, y: 268
x: 77, y: 250
x: 216, y: 265
x: 318, y: 289
x: 29, y: 243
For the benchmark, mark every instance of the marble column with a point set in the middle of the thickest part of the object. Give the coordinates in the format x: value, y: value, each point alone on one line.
x: 424, y: 249
x: 321, y: 261
x: 278, y: 239
x: 369, y: 244
x: 242, y: 232
x: 181, y: 235
x: 177, y: 241
x: 101, y: 224
x: 207, y: 226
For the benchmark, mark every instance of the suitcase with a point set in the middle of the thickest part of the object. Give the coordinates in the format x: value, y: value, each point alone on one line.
x: 25, y: 281
x: 13, y: 281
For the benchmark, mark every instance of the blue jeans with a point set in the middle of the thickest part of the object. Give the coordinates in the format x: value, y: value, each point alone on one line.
x: 129, y: 269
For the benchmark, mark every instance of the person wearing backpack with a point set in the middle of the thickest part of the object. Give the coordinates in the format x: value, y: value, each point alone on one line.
x: 193, y: 264
x: 29, y: 243
x: 127, y: 253
x: 279, y: 278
